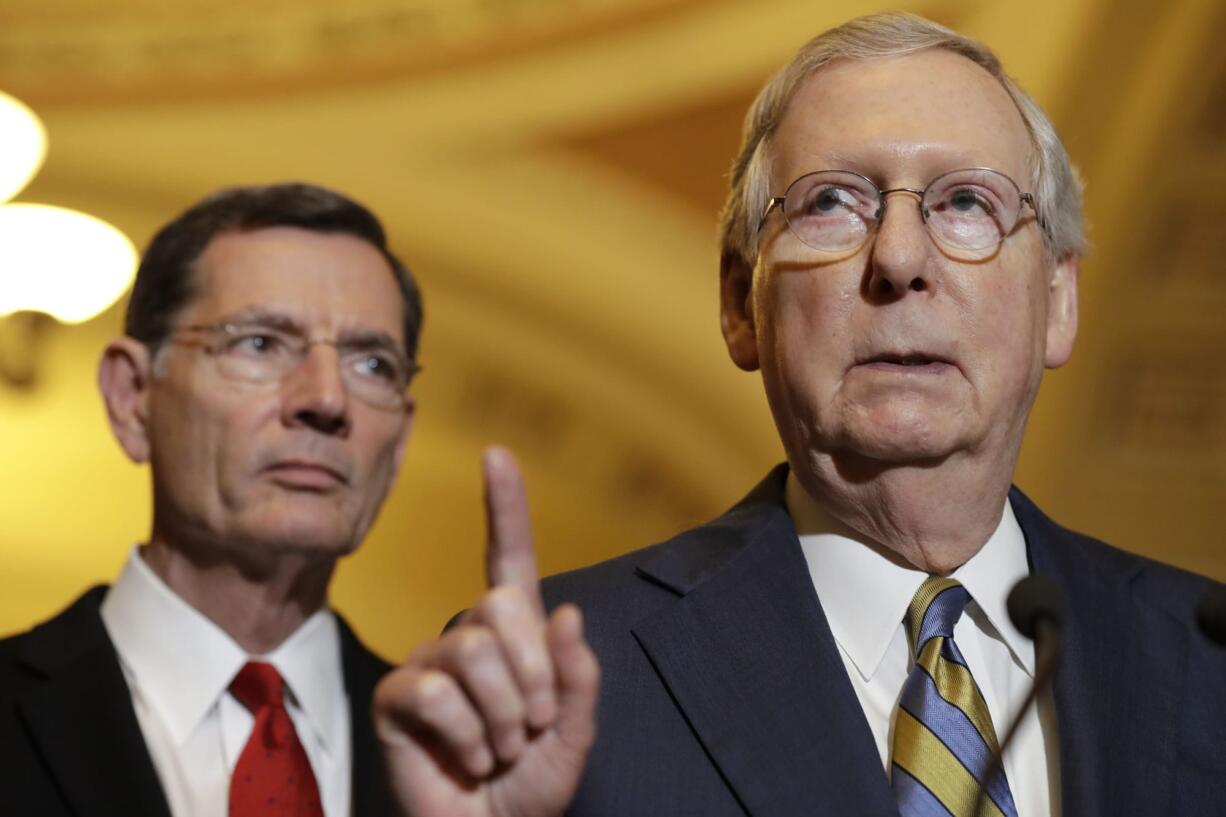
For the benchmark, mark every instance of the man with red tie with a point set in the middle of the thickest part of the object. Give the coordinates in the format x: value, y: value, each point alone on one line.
x: 270, y: 341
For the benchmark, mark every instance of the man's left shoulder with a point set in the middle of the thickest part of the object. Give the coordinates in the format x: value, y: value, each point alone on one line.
x: 362, y: 669
x: 362, y: 666
x: 1055, y: 548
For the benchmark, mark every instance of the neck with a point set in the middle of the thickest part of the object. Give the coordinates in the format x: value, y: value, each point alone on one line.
x: 933, y: 515
x: 258, y: 605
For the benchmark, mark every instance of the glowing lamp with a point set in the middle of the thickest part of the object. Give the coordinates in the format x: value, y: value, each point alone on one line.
x: 62, y: 262
x: 23, y: 146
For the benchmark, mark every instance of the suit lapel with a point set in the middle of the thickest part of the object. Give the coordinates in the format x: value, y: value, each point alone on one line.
x: 362, y: 670
x: 77, y: 707
x: 748, y: 656
x: 1117, y: 688
x: 79, y: 712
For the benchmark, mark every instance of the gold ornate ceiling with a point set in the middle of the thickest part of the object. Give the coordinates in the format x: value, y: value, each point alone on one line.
x: 552, y: 171
x: 83, y: 52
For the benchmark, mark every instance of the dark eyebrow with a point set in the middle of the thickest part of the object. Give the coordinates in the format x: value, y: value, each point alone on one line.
x: 258, y: 316
x: 353, y: 338
x: 369, y: 339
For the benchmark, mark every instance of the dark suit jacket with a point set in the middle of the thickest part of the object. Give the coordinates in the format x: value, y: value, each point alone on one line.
x: 723, y: 692
x: 70, y: 743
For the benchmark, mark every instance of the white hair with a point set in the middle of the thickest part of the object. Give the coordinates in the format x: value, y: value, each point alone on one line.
x: 1054, y: 183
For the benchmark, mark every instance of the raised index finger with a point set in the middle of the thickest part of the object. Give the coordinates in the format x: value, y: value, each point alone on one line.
x: 509, y: 556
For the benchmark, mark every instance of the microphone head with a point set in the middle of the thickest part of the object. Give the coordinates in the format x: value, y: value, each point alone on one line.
x: 1211, y: 614
x: 1033, y: 599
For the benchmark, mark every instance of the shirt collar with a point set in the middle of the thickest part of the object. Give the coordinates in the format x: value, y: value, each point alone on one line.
x: 990, y: 575
x: 865, y: 589
x: 310, y: 662
x: 183, y: 663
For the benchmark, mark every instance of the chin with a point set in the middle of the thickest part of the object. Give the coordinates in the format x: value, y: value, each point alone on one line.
x: 319, y: 532
x: 899, y: 439
x: 899, y: 452
x: 321, y: 542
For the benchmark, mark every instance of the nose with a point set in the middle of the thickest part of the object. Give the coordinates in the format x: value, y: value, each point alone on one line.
x: 898, y: 261
x: 314, y: 394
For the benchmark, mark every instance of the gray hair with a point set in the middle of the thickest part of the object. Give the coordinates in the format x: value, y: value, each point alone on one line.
x: 1054, y: 182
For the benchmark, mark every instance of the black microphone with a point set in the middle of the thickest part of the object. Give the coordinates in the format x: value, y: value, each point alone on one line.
x: 1036, y: 608
x: 1211, y: 614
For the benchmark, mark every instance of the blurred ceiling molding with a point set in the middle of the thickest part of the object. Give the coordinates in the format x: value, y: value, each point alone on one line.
x: 83, y: 52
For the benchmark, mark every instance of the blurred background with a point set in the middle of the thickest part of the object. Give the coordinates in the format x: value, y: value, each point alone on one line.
x: 552, y: 171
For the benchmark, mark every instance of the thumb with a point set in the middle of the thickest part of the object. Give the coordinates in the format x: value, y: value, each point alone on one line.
x: 578, y: 680
x: 509, y: 555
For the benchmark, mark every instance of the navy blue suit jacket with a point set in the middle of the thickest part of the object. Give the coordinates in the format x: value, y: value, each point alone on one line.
x: 70, y: 743
x: 723, y: 692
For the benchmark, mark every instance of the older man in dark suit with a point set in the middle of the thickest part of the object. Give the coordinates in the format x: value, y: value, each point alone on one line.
x: 269, y: 344
x: 900, y: 257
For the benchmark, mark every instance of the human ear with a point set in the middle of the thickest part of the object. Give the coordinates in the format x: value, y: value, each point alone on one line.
x: 124, y: 378
x: 736, y: 310
x: 1062, y: 310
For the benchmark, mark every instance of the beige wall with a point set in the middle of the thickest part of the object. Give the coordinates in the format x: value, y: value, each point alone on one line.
x: 552, y: 172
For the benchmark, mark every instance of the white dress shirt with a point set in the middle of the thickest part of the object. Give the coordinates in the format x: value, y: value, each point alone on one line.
x: 179, y: 664
x: 865, y: 594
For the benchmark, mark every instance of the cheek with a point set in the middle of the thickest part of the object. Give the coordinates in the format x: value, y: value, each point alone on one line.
x: 380, y: 464
x: 184, y: 443
x: 234, y: 445
x: 804, y: 320
x: 183, y: 429
x: 1005, y: 328
x: 806, y: 329
x: 223, y: 440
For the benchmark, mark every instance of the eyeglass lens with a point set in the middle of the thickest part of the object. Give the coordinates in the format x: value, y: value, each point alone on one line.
x: 258, y: 353
x: 971, y: 209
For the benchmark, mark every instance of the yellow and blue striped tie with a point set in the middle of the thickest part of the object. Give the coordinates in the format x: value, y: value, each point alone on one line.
x: 943, y: 735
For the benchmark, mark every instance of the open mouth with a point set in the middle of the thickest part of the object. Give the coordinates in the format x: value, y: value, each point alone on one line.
x: 905, y: 360
x: 916, y: 361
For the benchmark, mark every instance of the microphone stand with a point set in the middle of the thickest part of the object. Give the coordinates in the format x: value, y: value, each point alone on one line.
x: 1046, y: 657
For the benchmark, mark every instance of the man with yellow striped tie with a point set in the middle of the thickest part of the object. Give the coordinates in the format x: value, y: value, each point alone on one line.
x: 943, y: 733
x: 900, y: 256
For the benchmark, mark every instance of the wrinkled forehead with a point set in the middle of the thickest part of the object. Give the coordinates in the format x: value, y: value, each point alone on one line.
x: 901, y: 121
x: 327, y: 281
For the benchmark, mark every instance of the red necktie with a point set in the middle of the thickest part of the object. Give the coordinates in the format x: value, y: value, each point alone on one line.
x: 273, y: 775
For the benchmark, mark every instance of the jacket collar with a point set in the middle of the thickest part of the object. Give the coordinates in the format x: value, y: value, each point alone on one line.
x: 748, y: 655
x: 370, y: 794
x: 78, y: 709
x: 1118, y: 690
x: 79, y: 714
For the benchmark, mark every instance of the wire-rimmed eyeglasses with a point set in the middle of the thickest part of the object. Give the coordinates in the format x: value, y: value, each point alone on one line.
x: 373, y: 370
x: 970, y: 209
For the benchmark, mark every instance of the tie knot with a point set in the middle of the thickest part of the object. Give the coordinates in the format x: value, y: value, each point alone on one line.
x: 934, y: 611
x: 258, y: 685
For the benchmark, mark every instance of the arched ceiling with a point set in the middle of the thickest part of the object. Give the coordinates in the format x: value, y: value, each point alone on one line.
x: 552, y: 172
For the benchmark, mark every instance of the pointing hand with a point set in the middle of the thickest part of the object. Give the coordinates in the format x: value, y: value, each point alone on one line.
x: 496, y: 717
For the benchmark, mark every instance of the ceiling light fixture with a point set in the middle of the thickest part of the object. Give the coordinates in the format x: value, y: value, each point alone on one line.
x: 53, y: 261
x: 66, y: 263
x: 23, y: 145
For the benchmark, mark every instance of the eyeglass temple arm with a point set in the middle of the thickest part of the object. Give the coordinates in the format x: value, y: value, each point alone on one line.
x: 775, y: 201
x: 1029, y: 199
